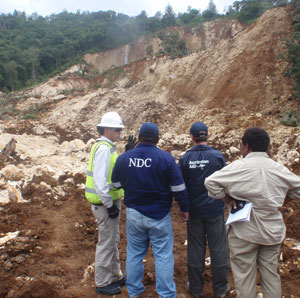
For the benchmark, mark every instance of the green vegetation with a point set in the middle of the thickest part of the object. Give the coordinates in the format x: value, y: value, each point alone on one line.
x: 247, y: 11
x: 72, y: 91
x: 293, y: 50
x: 129, y: 84
x: 7, y: 105
x: 32, y: 113
x: 290, y: 118
x: 33, y: 48
x: 174, y: 46
x: 114, y: 73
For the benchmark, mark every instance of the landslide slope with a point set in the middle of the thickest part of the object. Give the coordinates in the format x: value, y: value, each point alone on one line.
x: 231, y: 81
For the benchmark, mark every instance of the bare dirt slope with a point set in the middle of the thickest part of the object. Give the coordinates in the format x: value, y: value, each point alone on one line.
x: 47, y: 231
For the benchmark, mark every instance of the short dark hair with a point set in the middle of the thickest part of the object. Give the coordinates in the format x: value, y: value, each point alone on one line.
x: 200, y: 139
x: 257, y: 139
x: 148, y: 140
x: 100, y: 129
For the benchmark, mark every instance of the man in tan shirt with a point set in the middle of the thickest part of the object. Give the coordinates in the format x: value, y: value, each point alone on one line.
x: 267, y: 185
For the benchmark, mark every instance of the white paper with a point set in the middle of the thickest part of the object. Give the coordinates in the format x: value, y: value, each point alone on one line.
x: 241, y: 215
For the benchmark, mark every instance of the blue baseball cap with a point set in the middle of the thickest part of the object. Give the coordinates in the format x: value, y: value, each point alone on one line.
x: 149, y: 130
x: 199, y: 129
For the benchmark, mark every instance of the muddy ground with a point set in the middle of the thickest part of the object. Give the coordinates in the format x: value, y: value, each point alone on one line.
x: 50, y: 258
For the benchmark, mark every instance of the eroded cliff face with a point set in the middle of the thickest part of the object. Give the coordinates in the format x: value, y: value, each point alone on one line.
x: 233, y: 79
x: 203, y: 37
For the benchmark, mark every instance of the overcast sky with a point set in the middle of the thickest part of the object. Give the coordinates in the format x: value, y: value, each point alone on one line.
x: 128, y: 7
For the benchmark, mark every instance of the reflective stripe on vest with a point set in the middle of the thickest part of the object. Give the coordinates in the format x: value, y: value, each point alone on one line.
x: 90, y: 192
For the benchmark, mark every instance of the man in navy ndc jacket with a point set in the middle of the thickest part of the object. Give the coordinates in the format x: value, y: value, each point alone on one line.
x: 206, y: 222
x: 150, y: 178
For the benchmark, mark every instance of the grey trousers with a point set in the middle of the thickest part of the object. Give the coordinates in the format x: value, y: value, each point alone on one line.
x: 245, y: 257
x: 210, y: 230
x: 107, y: 261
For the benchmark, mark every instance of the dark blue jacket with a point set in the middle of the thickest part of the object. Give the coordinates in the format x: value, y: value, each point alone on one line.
x: 197, y: 164
x: 150, y: 178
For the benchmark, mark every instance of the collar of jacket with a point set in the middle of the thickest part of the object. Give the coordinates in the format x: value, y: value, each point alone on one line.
x: 103, y: 138
x: 146, y: 145
x: 201, y: 148
x: 257, y: 154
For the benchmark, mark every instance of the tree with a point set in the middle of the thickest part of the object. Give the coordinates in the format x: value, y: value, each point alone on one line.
x: 212, y: 7
x: 190, y: 17
x: 169, y: 18
x: 211, y: 11
x: 158, y: 15
x: 250, y: 10
x: 232, y: 13
x: 32, y: 55
x: 174, y: 46
x: 142, y: 20
x: 10, y: 71
x: 292, y: 54
x: 279, y: 3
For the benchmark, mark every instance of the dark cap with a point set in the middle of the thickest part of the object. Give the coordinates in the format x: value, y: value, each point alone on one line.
x: 149, y: 130
x: 199, y: 129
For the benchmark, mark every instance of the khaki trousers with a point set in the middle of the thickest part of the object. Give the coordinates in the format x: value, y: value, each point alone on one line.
x: 107, y: 261
x: 245, y: 257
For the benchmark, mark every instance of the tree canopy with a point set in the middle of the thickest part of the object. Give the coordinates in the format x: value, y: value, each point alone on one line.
x: 292, y: 54
x: 33, y: 47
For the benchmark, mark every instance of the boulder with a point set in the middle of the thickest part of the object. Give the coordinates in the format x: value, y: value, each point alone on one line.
x: 11, y: 172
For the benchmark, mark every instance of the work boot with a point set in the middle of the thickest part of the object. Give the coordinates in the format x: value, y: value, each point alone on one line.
x: 120, y: 283
x: 187, y: 287
x: 109, y: 290
x: 226, y: 292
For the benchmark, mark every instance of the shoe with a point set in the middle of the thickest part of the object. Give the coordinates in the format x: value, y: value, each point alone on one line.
x: 120, y: 283
x: 187, y: 287
x: 226, y: 292
x: 110, y: 290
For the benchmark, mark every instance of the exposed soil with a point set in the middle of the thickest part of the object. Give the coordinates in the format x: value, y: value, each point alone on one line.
x: 232, y: 80
x: 57, y: 243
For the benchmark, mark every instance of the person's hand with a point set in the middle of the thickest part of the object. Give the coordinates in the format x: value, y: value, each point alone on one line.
x: 184, y: 216
x: 131, y: 143
x: 113, y: 211
x: 230, y: 201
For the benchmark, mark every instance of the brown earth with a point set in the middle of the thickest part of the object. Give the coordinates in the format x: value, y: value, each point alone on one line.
x: 57, y: 243
x: 231, y: 82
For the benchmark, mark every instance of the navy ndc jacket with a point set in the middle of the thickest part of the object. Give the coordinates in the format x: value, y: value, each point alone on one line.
x: 150, y: 178
x: 196, y: 164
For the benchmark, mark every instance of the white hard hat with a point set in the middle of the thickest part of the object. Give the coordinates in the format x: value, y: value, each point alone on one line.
x: 111, y: 119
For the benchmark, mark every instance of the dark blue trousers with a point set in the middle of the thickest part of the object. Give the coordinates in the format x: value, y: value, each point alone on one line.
x: 211, y: 231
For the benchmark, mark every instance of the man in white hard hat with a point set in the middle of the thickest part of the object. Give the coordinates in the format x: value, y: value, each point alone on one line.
x: 106, y: 204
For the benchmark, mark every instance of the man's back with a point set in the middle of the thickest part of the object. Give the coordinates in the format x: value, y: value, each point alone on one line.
x: 146, y: 173
x: 265, y: 183
x: 197, y: 164
x: 150, y: 177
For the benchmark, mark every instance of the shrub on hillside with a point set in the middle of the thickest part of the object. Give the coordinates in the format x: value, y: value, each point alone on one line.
x: 293, y: 50
x: 290, y: 118
x: 174, y: 46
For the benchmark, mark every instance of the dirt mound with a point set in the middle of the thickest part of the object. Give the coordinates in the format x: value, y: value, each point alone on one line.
x: 232, y: 80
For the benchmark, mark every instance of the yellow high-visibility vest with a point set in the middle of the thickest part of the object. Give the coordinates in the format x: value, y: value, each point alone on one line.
x: 90, y: 192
